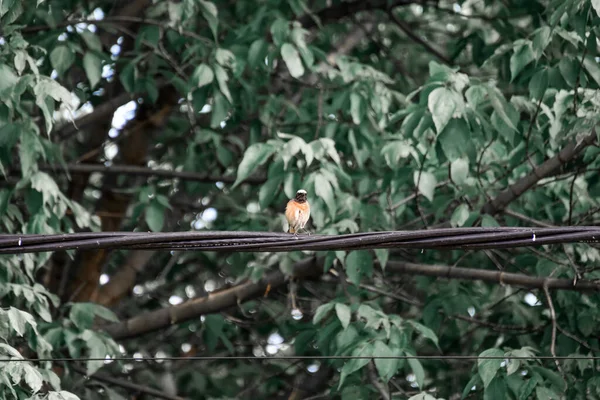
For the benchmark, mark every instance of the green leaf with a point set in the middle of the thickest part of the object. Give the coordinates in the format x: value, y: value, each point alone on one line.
x: 97, y: 350
x: 128, y: 77
x: 526, y: 389
x: 487, y: 221
x: 83, y: 314
x: 91, y: 40
x: 357, y: 107
x: 495, y: 390
x: 382, y: 256
x: 386, y: 367
x: 64, y: 395
x: 596, y: 5
x: 92, y: 64
x: 343, y: 313
x: 20, y: 60
x: 61, y: 59
x: 11, y: 351
x: 355, y: 364
x: 324, y: 190
x: 7, y: 78
x: 257, y: 53
x: 19, y: 320
x: 425, y: 331
x: 459, y: 216
x: 504, y: 127
x: 455, y: 138
x: 426, y: 183
x: 475, y: 95
x: 358, y: 263
x: 225, y: 57
x: 255, y: 155
x: 328, y: 146
x: 396, y: 149
x: 268, y: 191
x: 49, y: 87
x: 418, y: 370
x: 43, y: 183
x: 441, y: 106
x: 488, y: 368
x: 522, y: 56
x: 422, y: 396
x: 459, y: 170
x: 203, y: 75
x: 474, y: 381
x: 541, y: 39
x: 292, y: 147
x: 591, y: 66
x: 322, y: 311
x: 544, y: 393
x: 569, y: 69
x: 33, y: 378
x: 220, y: 110
x: 29, y: 151
x: 155, y: 216
x: 538, y: 84
x: 10, y: 11
x: 552, y: 377
x: 151, y: 89
x: 210, y: 13
x: 280, y: 30
x: 292, y: 60
x: 222, y: 80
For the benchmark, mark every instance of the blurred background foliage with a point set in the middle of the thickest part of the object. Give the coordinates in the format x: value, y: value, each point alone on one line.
x: 392, y: 114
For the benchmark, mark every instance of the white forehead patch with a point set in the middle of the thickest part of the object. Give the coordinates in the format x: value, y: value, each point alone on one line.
x: 301, y: 191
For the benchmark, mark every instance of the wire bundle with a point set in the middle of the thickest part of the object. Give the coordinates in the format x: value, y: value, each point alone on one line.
x: 447, y: 238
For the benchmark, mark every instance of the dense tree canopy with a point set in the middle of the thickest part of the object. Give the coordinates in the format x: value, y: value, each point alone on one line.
x: 209, y: 115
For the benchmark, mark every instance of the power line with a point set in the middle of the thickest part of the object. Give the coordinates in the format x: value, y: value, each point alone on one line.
x: 310, y: 358
x: 440, y: 239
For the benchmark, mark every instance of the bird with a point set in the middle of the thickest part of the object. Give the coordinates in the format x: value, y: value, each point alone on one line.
x: 297, y: 212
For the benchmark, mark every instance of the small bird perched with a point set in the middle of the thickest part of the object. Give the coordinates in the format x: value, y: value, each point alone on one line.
x: 297, y: 212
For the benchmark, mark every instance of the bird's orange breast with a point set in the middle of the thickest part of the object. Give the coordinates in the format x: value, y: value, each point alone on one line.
x: 293, y: 206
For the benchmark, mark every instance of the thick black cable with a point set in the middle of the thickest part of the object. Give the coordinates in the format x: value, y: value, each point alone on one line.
x: 231, y: 241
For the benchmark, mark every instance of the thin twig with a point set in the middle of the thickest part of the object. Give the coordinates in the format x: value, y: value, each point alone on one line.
x: 553, y: 319
x: 525, y: 218
x: 391, y: 295
x: 530, y: 129
x: 571, y: 190
x: 578, y: 81
x: 577, y: 339
x: 127, y: 385
x: 381, y: 388
x: 404, y: 28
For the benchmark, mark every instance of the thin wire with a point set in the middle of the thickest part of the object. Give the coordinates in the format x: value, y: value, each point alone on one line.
x: 254, y: 358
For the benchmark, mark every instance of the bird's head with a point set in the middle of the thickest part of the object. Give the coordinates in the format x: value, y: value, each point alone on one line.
x: 301, y: 196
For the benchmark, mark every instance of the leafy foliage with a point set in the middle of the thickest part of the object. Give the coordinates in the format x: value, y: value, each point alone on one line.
x: 401, y: 115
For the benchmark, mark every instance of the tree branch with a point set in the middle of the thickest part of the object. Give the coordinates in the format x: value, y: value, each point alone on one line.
x: 515, y: 190
x: 126, y: 385
x: 218, y: 301
x: 213, y: 303
x: 553, y: 319
x: 506, y: 278
x: 384, y: 391
x: 124, y: 279
x: 144, y: 171
x: 404, y: 27
x: 100, y: 113
x: 347, y: 8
